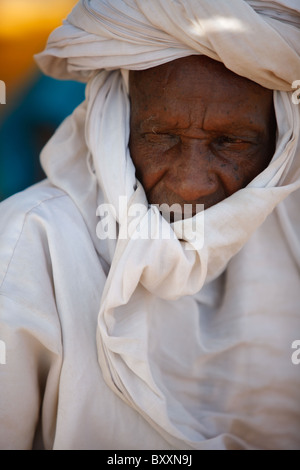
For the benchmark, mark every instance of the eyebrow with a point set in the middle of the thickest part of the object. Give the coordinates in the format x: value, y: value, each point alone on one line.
x: 152, y: 124
x: 239, y: 127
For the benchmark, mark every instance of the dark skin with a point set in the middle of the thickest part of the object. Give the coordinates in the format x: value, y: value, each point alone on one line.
x: 198, y: 132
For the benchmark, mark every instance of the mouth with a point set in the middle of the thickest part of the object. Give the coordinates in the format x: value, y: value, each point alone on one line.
x: 174, y: 208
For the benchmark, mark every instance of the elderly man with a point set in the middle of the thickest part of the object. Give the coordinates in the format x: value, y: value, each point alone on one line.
x: 175, y: 334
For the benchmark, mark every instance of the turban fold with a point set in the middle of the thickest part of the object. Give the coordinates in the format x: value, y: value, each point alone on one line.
x: 139, y: 34
x: 88, y: 157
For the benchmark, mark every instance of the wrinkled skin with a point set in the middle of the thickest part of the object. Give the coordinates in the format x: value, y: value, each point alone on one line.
x: 198, y: 132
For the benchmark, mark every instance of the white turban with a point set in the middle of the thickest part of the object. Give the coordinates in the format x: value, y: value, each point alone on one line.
x: 88, y: 157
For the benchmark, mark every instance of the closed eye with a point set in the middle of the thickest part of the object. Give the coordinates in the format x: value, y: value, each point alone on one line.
x: 233, y: 144
x: 229, y: 140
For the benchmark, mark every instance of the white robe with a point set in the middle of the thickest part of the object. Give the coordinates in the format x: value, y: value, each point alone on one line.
x: 237, y: 331
x: 151, y: 344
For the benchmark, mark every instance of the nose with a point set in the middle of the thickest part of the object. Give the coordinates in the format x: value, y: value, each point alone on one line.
x: 192, y: 176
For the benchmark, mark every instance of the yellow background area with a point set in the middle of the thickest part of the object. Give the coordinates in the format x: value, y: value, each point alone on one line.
x: 24, y: 29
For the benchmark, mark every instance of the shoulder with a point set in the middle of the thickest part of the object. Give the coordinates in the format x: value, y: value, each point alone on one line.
x: 16, y: 208
x: 29, y: 221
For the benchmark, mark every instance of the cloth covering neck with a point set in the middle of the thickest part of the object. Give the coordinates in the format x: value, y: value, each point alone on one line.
x: 88, y: 157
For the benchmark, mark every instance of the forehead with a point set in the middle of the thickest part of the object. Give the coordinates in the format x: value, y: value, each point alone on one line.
x: 198, y: 85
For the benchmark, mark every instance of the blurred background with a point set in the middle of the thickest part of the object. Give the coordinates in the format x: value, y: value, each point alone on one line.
x: 35, y: 104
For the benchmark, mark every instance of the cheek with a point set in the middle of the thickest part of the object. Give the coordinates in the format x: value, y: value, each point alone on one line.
x: 148, y: 160
x: 241, y: 171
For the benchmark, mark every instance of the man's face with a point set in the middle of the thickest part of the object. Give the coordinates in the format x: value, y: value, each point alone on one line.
x: 198, y: 132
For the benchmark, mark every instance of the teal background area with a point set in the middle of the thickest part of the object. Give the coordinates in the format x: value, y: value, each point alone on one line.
x: 27, y: 124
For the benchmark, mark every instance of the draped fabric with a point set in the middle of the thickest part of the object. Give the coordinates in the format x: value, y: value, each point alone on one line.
x: 157, y: 287
x: 142, y: 34
x: 136, y: 35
